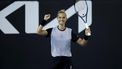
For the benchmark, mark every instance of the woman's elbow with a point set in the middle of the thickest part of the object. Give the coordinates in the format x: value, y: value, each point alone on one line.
x: 38, y: 32
x: 83, y: 43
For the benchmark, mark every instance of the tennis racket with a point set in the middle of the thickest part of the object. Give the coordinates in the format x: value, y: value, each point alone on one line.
x: 81, y: 7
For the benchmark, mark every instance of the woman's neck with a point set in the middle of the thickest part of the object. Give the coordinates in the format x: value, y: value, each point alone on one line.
x: 61, y: 27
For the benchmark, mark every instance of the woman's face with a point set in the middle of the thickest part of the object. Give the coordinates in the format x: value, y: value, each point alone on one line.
x: 62, y: 18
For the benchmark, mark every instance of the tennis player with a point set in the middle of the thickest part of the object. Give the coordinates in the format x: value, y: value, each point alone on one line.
x: 61, y: 38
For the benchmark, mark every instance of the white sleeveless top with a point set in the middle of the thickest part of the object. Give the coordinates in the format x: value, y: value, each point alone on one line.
x: 61, y: 42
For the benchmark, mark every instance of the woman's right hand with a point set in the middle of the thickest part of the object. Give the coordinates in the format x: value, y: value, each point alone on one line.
x: 47, y: 16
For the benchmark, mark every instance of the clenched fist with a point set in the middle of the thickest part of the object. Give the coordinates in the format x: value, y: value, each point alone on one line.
x: 47, y: 16
x: 87, y: 32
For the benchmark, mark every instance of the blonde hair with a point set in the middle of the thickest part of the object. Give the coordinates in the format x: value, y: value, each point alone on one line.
x: 61, y: 11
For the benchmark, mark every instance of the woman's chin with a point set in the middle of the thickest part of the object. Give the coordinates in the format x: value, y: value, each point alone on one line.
x: 61, y: 23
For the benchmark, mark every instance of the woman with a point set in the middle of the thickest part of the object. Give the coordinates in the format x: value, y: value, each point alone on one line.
x: 61, y: 37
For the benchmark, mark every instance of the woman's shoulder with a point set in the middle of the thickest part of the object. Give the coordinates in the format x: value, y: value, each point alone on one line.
x: 69, y: 28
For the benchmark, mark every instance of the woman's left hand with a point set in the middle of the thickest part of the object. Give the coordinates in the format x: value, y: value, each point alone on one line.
x: 88, y: 32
